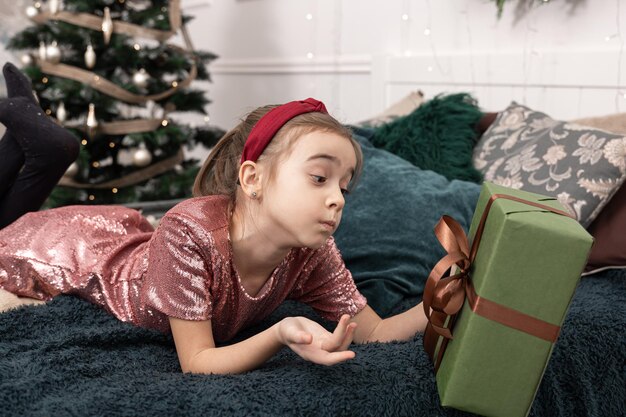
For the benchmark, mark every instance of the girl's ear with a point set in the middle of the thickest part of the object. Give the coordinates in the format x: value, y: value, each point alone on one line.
x: 250, y: 178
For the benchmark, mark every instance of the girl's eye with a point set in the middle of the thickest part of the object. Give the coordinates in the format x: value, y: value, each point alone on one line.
x: 318, y: 179
x: 345, y: 191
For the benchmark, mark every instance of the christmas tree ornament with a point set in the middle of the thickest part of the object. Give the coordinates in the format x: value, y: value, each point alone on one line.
x: 92, y: 122
x: 53, y: 53
x: 107, y: 25
x: 61, y: 113
x: 42, y: 50
x: 32, y: 11
x: 55, y: 6
x: 142, y: 157
x: 140, y: 78
x: 26, y: 59
x: 72, y: 170
x: 90, y: 57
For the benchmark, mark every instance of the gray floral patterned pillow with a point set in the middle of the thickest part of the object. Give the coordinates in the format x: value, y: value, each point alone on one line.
x: 581, y: 166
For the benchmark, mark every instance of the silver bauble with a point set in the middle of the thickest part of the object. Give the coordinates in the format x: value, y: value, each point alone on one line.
x: 53, y: 53
x: 42, y: 50
x: 31, y: 11
x: 140, y: 78
x: 72, y: 170
x: 107, y: 25
x: 61, y: 113
x: 26, y: 59
x: 55, y: 6
x: 90, y: 57
x: 142, y: 157
x: 92, y: 122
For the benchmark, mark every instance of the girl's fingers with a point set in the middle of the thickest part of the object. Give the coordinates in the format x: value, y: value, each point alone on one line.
x: 347, y: 340
x: 334, y: 342
x: 333, y: 358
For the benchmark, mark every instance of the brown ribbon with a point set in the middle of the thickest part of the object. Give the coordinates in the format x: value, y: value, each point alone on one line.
x: 444, y: 296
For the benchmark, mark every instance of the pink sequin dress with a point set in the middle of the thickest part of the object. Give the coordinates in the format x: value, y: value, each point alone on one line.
x: 111, y: 256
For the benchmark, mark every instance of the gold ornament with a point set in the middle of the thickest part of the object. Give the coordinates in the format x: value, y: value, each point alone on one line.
x: 53, y: 53
x: 61, y: 113
x: 142, y: 157
x: 107, y: 25
x: 140, y: 78
x: 92, y: 123
x: 90, y: 57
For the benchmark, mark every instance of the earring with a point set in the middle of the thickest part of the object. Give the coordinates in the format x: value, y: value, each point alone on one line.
x: 253, y: 194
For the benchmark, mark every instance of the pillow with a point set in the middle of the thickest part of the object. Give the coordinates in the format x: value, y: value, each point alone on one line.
x: 609, y: 249
x: 615, y: 123
x: 525, y: 149
x: 439, y: 135
x: 386, y: 233
x: 609, y: 232
x: 398, y: 109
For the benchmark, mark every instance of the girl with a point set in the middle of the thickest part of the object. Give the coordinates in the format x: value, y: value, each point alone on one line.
x: 258, y: 231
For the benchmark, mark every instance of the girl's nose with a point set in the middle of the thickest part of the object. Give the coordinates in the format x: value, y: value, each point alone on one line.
x: 336, y: 199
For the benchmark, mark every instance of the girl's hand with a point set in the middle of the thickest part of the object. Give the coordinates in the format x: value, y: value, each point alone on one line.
x: 314, y: 343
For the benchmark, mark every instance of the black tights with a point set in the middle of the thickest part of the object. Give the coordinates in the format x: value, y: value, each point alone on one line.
x: 35, y: 152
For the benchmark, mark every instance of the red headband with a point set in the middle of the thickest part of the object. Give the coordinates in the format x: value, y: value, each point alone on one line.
x: 265, y: 129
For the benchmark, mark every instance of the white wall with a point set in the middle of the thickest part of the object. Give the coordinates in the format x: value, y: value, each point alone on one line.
x: 263, y: 47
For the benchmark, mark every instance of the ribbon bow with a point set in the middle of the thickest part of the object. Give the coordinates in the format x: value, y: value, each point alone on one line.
x: 444, y: 297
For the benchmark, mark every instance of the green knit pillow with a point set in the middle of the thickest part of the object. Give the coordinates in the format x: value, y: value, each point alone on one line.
x: 438, y: 136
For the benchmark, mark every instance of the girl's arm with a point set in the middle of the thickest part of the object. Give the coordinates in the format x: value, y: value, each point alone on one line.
x: 197, y: 353
x: 371, y: 328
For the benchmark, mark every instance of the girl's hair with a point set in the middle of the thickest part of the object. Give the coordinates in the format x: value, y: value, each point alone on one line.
x: 220, y: 171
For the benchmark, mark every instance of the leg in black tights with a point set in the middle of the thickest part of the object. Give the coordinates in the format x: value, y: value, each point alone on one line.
x: 37, y: 150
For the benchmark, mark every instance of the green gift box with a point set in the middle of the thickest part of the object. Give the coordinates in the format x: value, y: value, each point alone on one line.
x: 529, y: 260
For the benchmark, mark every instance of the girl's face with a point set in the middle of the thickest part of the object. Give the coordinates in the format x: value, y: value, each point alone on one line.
x: 306, y: 198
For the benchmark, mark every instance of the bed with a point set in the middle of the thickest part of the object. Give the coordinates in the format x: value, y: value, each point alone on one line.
x: 69, y: 357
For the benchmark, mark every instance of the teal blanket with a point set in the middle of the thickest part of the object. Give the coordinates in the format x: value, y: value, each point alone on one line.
x: 70, y: 358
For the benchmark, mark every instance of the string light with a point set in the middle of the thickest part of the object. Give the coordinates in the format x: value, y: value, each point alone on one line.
x: 92, y: 197
x: 174, y: 84
x: 310, y: 55
x: 111, y: 144
x: 164, y: 123
x: 44, y: 80
x: 83, y: 142
x: 427, y: 32
x: 114, y: 190
x: 137, y: 47
x: 308, y: 16
x: 96, y: 164
x: 405, y: 29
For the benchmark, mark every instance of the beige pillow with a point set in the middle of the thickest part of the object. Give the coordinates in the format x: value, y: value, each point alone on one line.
x: 615, y: 123
x: 398, y: 109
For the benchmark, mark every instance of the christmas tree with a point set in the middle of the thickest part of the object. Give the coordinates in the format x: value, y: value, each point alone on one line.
x: 109, y: 71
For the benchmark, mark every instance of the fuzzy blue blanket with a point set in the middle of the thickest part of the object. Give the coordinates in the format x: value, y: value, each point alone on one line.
x: 71, y: 358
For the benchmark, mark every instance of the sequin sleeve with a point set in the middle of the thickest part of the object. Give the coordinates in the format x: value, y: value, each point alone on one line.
x: 178, y: 277
x: 329, y: 287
